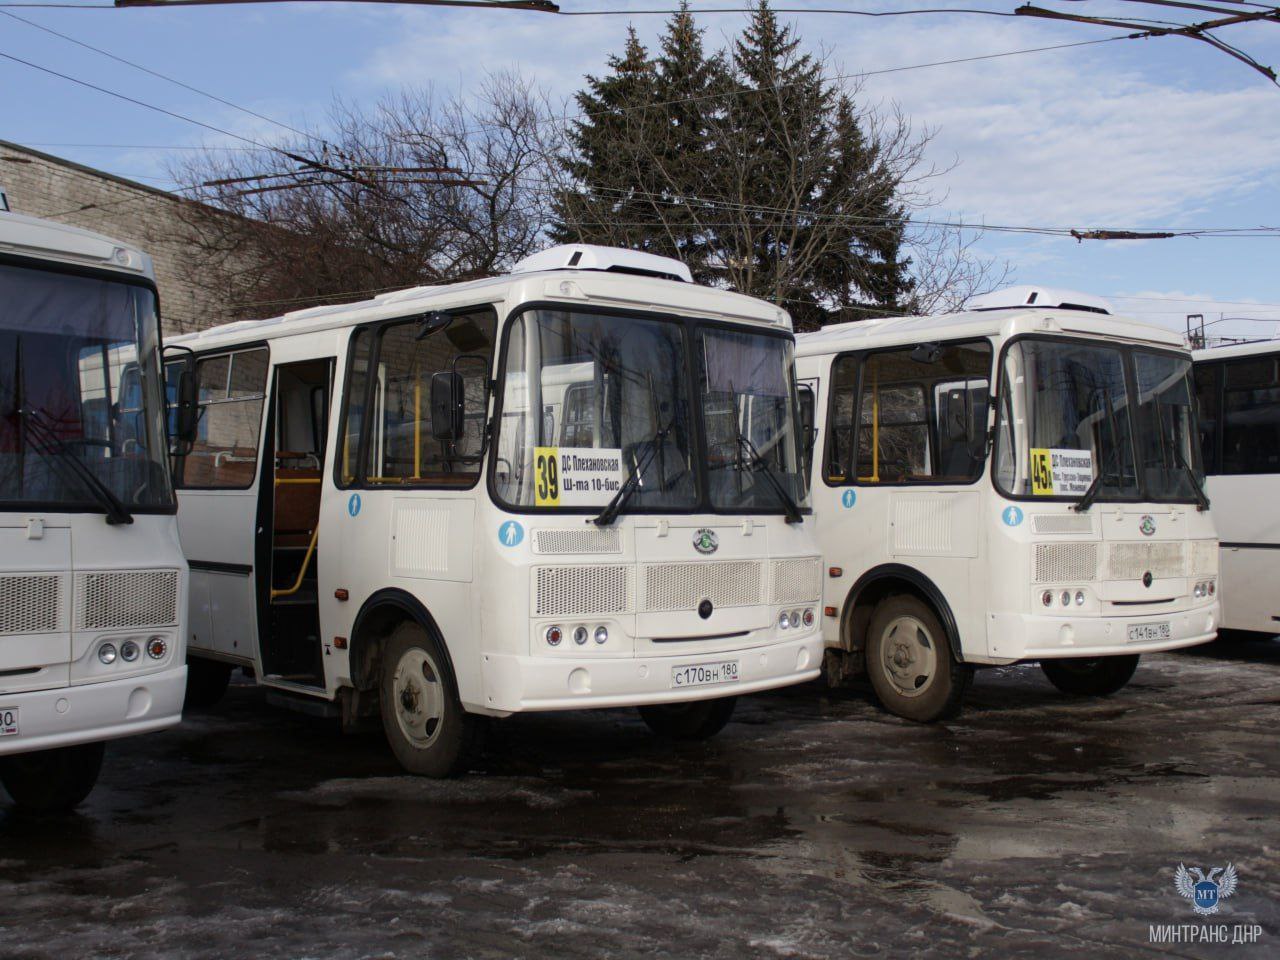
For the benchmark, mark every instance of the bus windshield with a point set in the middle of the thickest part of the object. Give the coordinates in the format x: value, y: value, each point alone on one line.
x: 81, y: 416
x: 588, y: 400
x: 1073, y: 413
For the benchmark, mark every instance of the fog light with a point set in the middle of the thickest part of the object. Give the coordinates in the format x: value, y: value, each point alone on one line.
x: 1066, y: 597
x: 1047, y: 598
x: 130, y: 651
x: 579, y: 635
x: 107, y: 653
x: 784, y: 621
x: 157, y: 648
x: 602, y: 634
x: 808, y: 616
x: 1079, y: 598
x: 554, y: 636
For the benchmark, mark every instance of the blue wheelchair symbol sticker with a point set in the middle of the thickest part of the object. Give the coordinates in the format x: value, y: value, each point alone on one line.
x: 849, y: 498
x: 510, y: 533
x: 353, y: 505
x: 1012, y: 516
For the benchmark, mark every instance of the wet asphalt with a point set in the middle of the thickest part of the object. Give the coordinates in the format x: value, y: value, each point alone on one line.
x: 815, y: 825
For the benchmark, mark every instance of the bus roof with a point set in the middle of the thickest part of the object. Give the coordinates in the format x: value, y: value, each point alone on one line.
x: 1229, y: 350
x: 889, y: 331
x: 46, y: 240
x: 583, y: 288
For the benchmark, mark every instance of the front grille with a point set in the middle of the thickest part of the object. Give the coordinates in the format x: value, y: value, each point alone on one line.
x: 682, y: 586
x: 1129, y: 561
x: 577, y: 541
x: 30, y: 603
x: 581, y: 591
x: 797, y: 581
x: 113, y: 600
x: 1063, y: 562
x: 1060, y: 523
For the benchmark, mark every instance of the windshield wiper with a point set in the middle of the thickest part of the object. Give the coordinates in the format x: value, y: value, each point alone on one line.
x: 634, y: 479
x: 1090, y: 495
x: 56, y: 450
x: 762, y: 466
x: 1202, y: 498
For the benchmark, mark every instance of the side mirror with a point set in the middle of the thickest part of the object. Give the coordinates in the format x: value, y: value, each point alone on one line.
x: 447, y: 398
x: 187, y: 418
x: 957, y: 415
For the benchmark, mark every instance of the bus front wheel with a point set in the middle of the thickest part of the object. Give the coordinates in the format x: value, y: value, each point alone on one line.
x: 429, y: 732
x: 910, y: 663
x: 1090, y: 676
x: 52, y: 781
x: 699, y: 720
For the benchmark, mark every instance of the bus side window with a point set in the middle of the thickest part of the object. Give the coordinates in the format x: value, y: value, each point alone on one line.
x: 1251, y: 416
x: 808, y: 413
x: 839, y: 452
x: 224, y: 455
x: 1208, y: 377
x: 921, y: 415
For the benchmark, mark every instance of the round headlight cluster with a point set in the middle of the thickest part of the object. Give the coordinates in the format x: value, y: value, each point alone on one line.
x: 1066, y: 598
x: 129, y: 650
x: 794, y: 619
x: 581, y: 634
x: 1205, y: 588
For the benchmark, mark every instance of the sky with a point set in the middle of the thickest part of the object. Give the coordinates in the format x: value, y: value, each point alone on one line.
x: 1160, y: 133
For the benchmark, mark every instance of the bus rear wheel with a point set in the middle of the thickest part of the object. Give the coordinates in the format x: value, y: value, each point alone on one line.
x: 429, y: 732
x: 698, y: 720
x: 910, y: 663
x: 1090, y: 676
x: 52, y: 781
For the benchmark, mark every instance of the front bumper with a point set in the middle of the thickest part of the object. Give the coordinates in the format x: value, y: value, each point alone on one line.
x: 87, y: 713
x: 514, y: 684
x: 1016, y: 637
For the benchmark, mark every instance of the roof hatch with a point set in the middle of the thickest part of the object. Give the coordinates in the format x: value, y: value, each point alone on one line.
x: 1053, y: 298
x: 585, y: 256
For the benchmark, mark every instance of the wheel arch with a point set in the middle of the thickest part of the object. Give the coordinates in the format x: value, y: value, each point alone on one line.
x: 379, y: 616
x: 879, y: 582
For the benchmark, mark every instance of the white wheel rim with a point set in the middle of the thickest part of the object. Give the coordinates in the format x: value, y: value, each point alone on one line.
x: 418, y: 698
x: 908, y: 656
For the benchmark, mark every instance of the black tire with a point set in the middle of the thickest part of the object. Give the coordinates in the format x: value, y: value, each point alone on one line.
x: 1090, y: 676
x: 417, y: 690
x: 52, y: 781
x: 696, y: 720
x: 207, y: 682
x: 910, y: 663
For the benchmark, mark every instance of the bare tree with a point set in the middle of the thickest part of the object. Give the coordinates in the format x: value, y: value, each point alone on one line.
x: 419, y: 190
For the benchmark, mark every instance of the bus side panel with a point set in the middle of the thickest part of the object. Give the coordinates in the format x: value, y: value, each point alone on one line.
x: 1250, y: 559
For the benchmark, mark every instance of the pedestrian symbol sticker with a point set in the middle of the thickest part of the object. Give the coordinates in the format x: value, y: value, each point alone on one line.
x: 849, y: 498
x: 1012, y: 516
x: 510, y: 533
x: 353, y: 505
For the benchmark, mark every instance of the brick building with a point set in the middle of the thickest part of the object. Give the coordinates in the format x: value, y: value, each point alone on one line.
x: 41, y: 185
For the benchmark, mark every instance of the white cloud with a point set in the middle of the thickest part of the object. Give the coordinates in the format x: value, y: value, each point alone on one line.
x: 1222, y: 318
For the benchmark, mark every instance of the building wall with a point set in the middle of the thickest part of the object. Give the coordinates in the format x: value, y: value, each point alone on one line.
x: 40, y: 185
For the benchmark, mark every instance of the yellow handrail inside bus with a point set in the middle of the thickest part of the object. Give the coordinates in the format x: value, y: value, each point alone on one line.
x: 875, y: 432
x: 302, y: 571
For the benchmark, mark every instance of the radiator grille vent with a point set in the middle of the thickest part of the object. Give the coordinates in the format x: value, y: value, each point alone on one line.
x: 120, y: 599
x: 1129, y: 561
x: 797, y: 581
x: 1059, y: 523
x: 1204, y: 558
x: 1062, y: 562
x: 682, y: 586
x: 582, y: 591
x: 30, y: 603
x: 577, y: 541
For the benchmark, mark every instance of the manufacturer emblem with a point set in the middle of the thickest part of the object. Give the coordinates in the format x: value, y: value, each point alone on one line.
x: 705, y: 609
x: 1147, y: 525
x: 1205, y: 893
x: 1147, y: 579
x: 705, y: 541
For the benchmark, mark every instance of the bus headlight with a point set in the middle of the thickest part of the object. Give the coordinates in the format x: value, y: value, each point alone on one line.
x: 1047, y: 598
x: 784, y: 621
x: 107, y: 653
x: 157, y: 648
x: 554, y: 636
x: 1079, y: 598
x: 602, y: 634
x: 1213, y: 587
x: 580, y: 635
x: 1066, y: 598
x: 808, y: 616
x: 130, y: 651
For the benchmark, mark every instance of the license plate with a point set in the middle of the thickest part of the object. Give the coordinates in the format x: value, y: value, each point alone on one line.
x: 704, y: 674
x: 8, y: 721
x: 1149, y: 631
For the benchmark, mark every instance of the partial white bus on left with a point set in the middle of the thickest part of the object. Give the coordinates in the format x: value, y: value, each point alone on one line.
x: 93, y: 585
